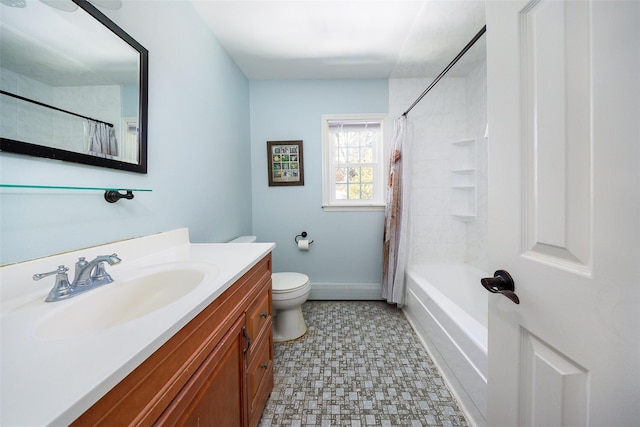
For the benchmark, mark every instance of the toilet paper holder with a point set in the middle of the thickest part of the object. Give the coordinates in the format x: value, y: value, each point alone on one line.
x: 302, y: 235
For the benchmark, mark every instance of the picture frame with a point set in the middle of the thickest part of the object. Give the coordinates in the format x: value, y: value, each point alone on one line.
x: 285, y: 163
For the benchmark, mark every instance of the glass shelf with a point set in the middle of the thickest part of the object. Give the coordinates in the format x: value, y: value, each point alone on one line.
x: 62, y: 187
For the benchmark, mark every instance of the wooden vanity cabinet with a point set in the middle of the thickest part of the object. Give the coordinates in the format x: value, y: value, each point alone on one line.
x: 214, y: 392
x: 215, y: 371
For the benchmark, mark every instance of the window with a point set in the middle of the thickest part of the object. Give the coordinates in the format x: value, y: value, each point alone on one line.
x: 353, y: 167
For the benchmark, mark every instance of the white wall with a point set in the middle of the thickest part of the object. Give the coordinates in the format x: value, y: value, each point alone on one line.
x: 476, y: 108
x: 198, y: 152
x: 454, y: 110
x: 348, y: 245
x: 34, y: 123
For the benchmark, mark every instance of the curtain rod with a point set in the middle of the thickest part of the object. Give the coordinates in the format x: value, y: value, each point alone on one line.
x: 22, y: 98
x: 451, y: 64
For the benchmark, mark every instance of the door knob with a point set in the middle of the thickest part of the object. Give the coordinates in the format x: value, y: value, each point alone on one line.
x: 501, y: 283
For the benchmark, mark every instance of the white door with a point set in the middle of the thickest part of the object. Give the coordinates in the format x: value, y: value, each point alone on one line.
x: 564, y: 212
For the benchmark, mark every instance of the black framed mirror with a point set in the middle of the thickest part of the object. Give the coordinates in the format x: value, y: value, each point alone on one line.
x: 74, y: 86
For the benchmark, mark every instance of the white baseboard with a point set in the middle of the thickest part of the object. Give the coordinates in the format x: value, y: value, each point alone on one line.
x: 346, y: 291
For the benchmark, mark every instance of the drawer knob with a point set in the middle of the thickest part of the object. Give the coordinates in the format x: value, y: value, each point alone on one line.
x: 264, y: 315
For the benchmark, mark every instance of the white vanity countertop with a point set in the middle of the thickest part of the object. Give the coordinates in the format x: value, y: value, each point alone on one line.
x: 53, y: 381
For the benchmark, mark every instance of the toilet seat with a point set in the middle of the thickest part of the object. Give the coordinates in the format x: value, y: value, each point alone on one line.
x: 283, y: 283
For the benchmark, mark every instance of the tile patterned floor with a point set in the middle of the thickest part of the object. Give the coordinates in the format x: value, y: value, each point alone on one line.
x: 360, y: 364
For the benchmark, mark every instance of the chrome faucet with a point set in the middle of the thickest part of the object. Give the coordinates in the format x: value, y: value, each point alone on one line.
x: 88, y: 275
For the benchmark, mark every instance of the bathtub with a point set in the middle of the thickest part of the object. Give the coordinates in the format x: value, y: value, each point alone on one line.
x: 447, y: 307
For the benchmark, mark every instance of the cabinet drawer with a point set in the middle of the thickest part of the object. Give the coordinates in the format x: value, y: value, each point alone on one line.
x: 260, y: 367
x: 259, y: 313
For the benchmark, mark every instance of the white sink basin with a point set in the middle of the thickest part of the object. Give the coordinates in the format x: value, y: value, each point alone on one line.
x: 121, y: 301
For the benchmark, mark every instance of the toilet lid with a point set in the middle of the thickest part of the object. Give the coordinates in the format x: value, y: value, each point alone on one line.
x: 287, y: 282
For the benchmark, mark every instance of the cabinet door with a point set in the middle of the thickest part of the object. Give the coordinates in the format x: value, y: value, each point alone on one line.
x: 213, y: 395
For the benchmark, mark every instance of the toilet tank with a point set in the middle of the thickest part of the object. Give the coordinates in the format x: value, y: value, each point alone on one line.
x: 244, y: 239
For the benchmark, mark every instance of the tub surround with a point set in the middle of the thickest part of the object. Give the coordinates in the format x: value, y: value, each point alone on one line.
x: 67, y: 374
x: 454, y: 111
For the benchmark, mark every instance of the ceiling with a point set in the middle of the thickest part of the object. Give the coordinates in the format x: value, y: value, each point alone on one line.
x: 329, y: 39
x: 64, y: 47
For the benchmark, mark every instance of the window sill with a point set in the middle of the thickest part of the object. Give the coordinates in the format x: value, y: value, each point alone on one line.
x: 353, y: 208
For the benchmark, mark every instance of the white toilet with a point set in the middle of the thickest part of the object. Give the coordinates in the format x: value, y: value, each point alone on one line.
x: 289, y: 292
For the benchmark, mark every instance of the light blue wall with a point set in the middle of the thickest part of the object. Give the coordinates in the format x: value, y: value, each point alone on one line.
x: 348, y: 245
x: 198, y: 152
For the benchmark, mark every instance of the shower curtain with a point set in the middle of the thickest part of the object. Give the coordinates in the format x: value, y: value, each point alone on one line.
x: 100, y: 139
x: 396, y: 218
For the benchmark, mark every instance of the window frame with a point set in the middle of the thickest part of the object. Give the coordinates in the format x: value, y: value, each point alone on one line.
x: 329, y: 203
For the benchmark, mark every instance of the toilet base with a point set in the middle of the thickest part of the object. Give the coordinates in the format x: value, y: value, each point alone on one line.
x: 288, y: 325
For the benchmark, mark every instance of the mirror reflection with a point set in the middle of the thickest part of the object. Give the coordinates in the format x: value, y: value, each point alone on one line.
x: 71, y: 85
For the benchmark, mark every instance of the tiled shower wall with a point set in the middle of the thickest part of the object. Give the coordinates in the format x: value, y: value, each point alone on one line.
x: 476, y: 107
x: 454, y: 110
x: 29, y: 122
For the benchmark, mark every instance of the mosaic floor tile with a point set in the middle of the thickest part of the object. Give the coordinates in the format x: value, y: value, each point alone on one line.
x: 360, y: 364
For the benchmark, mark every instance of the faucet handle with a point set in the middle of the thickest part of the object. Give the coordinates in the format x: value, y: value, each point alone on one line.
x: 62, y: 288
x: 100, y: 275
x: 62, y: 269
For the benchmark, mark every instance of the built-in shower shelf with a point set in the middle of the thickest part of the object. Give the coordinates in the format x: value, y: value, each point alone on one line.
x: 463, y: 217
x: 463, y: 179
